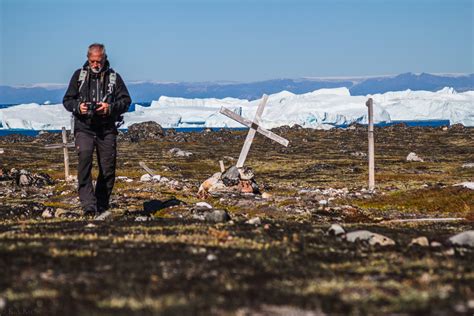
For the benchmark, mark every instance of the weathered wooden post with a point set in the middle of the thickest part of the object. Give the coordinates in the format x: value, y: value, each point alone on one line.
x: 66, y: 154
x: 370, y: 105
x: 65, y: 145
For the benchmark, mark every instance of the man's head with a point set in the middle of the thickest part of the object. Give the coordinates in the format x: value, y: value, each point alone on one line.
x: 96, y: 56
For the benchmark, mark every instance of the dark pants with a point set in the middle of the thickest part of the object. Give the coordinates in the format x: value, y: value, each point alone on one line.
x: 105, y: 145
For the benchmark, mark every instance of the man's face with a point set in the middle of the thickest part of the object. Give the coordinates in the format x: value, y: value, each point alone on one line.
x: 96, y: 59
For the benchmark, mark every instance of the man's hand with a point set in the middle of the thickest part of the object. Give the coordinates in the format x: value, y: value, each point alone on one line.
x: 83, y: 108
x: 103, y: 109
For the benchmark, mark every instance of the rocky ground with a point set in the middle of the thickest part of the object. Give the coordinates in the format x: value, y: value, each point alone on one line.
x: 164, y: 249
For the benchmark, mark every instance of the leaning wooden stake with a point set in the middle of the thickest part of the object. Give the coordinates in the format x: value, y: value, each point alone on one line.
x: 66, y: 154
x: 221, y: 165
x: 151, y: 172
x: 370, y: 105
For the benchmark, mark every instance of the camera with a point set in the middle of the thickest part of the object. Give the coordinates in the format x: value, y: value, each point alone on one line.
x: 91, y: 107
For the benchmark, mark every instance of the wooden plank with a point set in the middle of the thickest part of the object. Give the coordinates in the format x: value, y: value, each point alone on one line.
x: 56, y: 146
x: 429, y: 219
x: 66, y: 154
x: 370, y: 105
x: 248, y: 123
x: 245, y: 148
x: 151, y: 172
x: 273, y: 136
x: 251, y: 134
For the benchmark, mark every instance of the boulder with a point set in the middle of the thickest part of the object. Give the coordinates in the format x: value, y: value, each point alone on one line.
x: 217, y: 216
x: 465, y: 239
x: 145, y: 131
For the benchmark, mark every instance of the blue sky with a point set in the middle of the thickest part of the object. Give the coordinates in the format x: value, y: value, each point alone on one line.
x: 44, y: 41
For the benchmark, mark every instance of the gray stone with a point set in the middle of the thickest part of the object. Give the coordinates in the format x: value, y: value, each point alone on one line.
x: 370, y: 237
x: 217, y: 216
x: 465, y: 239
x: 335, y: 230
x: 420, y: 241
x: 203, y: 205
x: 414, y: 157
x: 231, y: 176
x: 254, y: 221
x: 468, y: 165
x: 48, y: 213
x: 146, y: 178
x: 180, y: 153
x: 24, y: 180
x: 211, y: 257
x: 246, y: 173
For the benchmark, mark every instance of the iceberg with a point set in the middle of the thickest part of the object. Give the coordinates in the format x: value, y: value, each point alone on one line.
x: 320, y: 109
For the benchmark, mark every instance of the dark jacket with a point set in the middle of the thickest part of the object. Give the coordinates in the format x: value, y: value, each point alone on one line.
x: 95, y: 88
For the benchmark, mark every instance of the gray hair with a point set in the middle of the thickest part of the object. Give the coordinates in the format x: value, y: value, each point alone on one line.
x: 95, y: 46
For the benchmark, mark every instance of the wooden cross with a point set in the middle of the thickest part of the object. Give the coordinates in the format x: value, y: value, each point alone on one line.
x: 253, y: 128
x: 65, y: 145
x: 370, y: 105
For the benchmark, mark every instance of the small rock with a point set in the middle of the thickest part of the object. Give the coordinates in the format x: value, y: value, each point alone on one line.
x: 468, y: 165
x: 266, y: 195
x: 420, y: 241
x: 156, y: 178
x: 24, y: 180
x: 414, y: 157
x: 335, y: 230
x: 103, y: 216
x: 180, y: 153
x: 203, y: 205
x: 435, y: 244
x: 90, y: 225
x: 323, y: 202
x: 47, y: 213
x: 164, y: 180
x: 217, y: 216
x: 246, y: 173
x: 359, y: 154
x: 60, y: 212
x: 146, y: 178
x: 465, y: 239
x: 2, y: 151
x: 371, y: 238
x: 211, y: 257
x: 254, y: 221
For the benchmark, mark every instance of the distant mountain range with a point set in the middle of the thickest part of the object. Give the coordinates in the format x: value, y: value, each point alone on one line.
x: 148, y: 91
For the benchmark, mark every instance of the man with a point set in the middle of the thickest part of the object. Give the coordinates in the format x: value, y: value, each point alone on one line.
x: 97, y: 97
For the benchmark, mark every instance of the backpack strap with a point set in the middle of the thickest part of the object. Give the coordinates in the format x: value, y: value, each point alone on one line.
x: 111, y: 85
x: 82, y: 78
